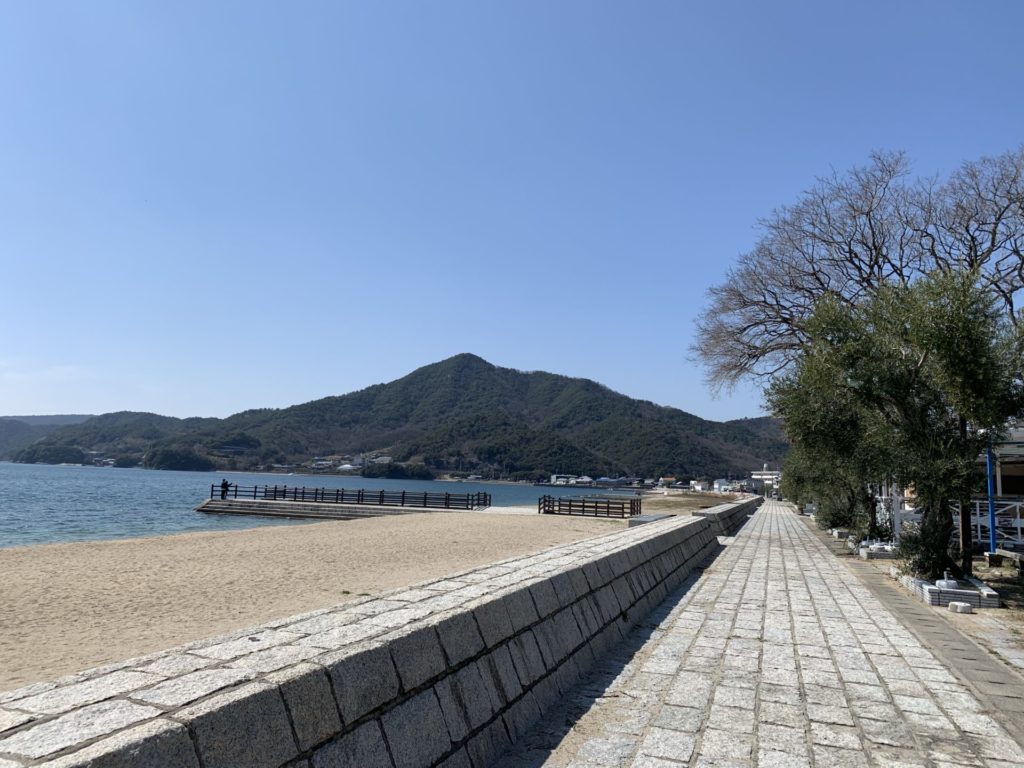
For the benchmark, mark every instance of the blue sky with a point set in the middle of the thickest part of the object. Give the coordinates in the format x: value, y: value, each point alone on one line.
x: 207, y: 207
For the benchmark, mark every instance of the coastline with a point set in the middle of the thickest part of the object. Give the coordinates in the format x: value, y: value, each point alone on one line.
x: 69, y: 606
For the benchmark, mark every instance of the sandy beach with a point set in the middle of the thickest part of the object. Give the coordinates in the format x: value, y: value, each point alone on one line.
x: 68, y: 607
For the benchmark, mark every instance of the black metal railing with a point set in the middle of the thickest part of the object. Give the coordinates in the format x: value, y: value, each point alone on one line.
x: 588, y: 507
x: 360, y: 496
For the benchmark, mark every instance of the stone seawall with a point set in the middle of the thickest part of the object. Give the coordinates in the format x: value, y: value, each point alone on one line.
x: 449, y: 672
x: 726, y: 519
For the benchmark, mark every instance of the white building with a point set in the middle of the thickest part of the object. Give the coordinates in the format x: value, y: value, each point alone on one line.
x: 770, y: 477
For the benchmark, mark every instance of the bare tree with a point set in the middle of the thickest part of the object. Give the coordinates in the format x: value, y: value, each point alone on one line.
x: 851, y: 233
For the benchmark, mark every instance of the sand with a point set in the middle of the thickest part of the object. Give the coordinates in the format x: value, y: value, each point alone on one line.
x: 67, y: 607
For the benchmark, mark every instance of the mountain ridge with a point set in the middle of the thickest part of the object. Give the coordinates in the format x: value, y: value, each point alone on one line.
x: 460, y: 413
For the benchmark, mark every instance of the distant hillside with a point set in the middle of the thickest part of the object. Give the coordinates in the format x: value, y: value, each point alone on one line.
x: 18, y: 432
x: 459, y: 414
x: 57, y: 420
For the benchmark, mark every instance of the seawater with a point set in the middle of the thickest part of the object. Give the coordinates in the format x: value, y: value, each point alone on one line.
x: 42, y: 504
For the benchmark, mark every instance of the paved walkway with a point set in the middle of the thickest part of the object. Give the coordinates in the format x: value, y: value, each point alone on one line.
x: 776, y: 656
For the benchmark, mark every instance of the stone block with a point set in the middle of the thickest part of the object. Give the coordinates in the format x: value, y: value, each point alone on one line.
x: 593, y: 576
x: 623, y: 593
x: 546, y: 693
x: 579, y: 581
x: 188, y: 688
x: 477, y: 695
x: 68, y: 697
x: 156, y: 744
x: 545, y: 598
x: 549, y: 643
x: 521, y: 716
x: 29, y: 690
x: 619, y: 563
x: 459, y: 760
x: 460, y: 637
x: 488, y: 745
x: 254, y: 641
x: 416, y: 731
x: 308, y: 698
x: 244, y: 728
x: 9, y: 720
x: 567, y: 676
x: 491, y: 685
x: 341, y: 637
x: 417, y: 656
x: 364, y: 747
x: 661, y: 742
x: 363, y: 678
x: 494, y: 622
x: 585, y: 658
x: 452, y: 709
x: 585, y: 618
x: 527, y: 658
x: 521, y: 609
x: 75, y: 727
x: 271, y: 659
x: 399, y: 618
x: 504, y: 671
x: 568, y: 631
x: 174, y: 664
x: 607, y: 604
x: 604, y: 567
x: 638, y: 581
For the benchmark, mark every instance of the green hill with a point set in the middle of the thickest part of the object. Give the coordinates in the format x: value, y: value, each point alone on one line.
x: 461, y: 413
x: 18, y: 432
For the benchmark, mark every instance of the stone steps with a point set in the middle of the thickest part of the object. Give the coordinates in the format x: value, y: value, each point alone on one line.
x: 301, y: 509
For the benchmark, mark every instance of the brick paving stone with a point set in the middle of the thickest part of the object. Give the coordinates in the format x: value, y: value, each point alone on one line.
x: 661, y: 742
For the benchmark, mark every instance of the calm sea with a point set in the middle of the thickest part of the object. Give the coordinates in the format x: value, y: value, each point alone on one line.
x: 42, y: 504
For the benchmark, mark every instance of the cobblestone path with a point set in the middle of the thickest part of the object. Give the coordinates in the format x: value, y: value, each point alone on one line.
x: 776, y: 656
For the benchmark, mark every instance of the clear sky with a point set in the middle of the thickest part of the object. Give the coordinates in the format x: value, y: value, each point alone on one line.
x: 207, y: 207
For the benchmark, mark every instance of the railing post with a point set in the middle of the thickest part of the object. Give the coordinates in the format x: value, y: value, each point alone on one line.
x: 991, y: 502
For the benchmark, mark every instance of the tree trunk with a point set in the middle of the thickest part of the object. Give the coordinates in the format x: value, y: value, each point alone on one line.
x: 966, y: 534
x: 936, y: 530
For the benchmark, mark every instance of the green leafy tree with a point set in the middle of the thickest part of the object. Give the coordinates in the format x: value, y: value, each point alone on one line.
x: 909, y: 378
x: 840, y: 446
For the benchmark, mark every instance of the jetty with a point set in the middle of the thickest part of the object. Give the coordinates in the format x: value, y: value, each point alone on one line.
x: 333, y: 503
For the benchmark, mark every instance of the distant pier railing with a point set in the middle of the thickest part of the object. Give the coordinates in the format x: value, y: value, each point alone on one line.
x: 359, y: 496
x: 584, y: 507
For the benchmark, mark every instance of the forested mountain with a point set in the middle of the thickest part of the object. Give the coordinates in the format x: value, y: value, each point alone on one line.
x: 17, y: 432
x: 461, y: 413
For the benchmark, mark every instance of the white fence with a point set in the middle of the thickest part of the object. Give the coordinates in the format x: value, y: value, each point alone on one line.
x: 899, y: 510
